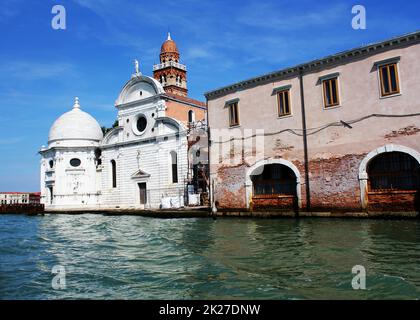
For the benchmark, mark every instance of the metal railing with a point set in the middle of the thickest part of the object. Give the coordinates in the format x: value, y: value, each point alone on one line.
x: 169, y: 64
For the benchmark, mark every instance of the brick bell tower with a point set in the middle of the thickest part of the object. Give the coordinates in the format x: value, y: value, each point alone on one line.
x: 170, y: 73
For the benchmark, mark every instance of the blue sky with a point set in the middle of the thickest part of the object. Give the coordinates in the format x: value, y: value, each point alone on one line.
x: 221, y: 42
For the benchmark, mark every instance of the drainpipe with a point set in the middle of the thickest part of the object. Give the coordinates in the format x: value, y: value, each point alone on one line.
x: 305, y: 142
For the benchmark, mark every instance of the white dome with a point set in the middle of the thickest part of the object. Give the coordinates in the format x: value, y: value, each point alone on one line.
x: 75, y: 125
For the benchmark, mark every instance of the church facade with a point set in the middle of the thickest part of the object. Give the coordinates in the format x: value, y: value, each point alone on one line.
x: 148, y: 161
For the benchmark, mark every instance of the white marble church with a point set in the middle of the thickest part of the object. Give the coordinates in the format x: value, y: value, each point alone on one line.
x: 143, y: 163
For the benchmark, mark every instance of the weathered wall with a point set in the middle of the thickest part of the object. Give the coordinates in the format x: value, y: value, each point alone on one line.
x: 335, y: 151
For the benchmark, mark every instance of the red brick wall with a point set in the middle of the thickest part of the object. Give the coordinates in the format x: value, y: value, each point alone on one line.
x: 288, y: 203
x: 394, y: 201
x: 230, y: 191
x: 334, y: 183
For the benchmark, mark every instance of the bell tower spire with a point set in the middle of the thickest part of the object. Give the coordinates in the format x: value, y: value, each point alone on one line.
x: 170, y: 73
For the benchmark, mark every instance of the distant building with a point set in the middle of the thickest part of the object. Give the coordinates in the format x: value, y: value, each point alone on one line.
x: 142, y: 163
x: 8, y: 198
x: 340, y: 133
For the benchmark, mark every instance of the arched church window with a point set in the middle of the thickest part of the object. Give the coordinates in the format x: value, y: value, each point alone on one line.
x: 51, y: 164
x: 191, y: 116
x: 174, y: 167
x: 114, y: 173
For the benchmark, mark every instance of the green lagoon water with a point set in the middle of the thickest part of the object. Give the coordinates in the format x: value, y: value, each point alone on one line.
x: 132, y: 257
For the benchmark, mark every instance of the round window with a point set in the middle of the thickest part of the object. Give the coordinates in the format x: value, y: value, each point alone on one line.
x: 75, y: 162
x: 141, y: 124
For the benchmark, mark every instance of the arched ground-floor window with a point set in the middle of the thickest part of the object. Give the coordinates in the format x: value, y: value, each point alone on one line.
x: 274, y: 186
x: 393, y: 182
x: 393, y: 171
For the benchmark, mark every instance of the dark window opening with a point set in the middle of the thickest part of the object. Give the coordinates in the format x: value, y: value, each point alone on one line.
x: 275, y: 179
x: 190, y: 116
x: 114, y: 173
x: 394, y: 171
x: 141, y: 124
x: 51, y: 190
x: 174, y: 167
x: 98, y: 154
x: 75, y: 162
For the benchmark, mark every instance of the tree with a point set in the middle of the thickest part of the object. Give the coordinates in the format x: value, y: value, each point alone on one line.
x: 105, y: 130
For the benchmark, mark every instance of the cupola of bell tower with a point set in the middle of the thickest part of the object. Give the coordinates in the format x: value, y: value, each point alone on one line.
x: 169, y: 72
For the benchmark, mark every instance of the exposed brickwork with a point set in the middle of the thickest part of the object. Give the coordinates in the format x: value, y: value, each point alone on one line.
x: 230, y: 193
x: 407, y: 131
x: 334, y: 186
x: 397, y: 201
x: 334, y: 183
x: 287, y: 203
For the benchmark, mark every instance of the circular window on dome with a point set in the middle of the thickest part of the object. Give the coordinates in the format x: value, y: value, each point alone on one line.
x: 75, y: 162
x: 141, y: 124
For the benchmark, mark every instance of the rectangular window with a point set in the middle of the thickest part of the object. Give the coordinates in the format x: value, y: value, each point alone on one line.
x: 233, y: 114
x: 283, y: 98
x: 388, y: 75
x: 331, y: 98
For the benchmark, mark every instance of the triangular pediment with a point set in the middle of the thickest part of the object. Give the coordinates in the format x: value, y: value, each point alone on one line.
x: 140, y: 174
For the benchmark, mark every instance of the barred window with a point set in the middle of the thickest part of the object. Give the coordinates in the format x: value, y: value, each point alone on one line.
x: 394, y: 171
x: 275, y: 179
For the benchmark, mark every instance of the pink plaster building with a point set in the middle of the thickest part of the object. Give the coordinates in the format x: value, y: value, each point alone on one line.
x: 338, y: 134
